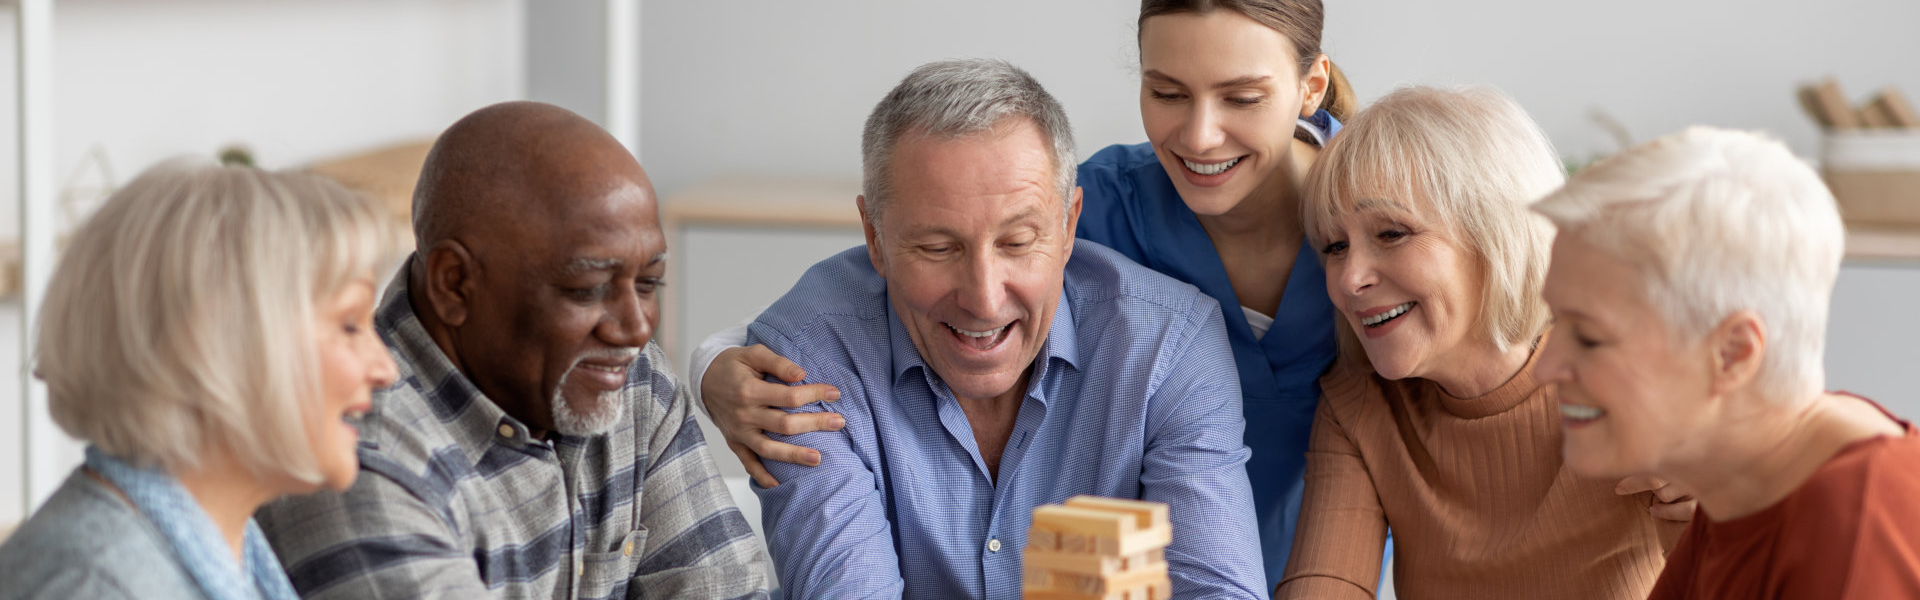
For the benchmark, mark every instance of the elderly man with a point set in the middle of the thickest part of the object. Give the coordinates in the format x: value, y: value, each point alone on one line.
x: 989, y: 364
x: 536, y: 446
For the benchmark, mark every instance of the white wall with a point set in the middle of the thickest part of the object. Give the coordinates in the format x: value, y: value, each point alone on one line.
x: 764, y: 86
x: 294, y: 80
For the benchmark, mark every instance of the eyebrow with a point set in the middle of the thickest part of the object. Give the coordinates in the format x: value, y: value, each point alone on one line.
x: 588, y: 265
x: 1241, y: 81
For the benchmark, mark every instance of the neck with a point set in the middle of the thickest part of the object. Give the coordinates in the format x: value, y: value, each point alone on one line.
x: 229, y: 494
x: 1766, y: 450
x: 1484, y: 373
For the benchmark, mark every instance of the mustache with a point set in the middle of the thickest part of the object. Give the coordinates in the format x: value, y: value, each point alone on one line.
x: 622, y: 354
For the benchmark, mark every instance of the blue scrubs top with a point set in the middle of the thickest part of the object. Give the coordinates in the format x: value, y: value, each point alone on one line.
x: 1130, y: 205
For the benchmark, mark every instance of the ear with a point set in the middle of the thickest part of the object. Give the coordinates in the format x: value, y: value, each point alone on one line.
x: 1073, y: 219
x: 1738, y: 345
x: 449, y: 283
x: 873, y: 236
x: 1313, y: 85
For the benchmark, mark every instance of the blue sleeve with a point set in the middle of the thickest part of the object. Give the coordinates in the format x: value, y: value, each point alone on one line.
x: 1103, y: 200
x: 1196, y: 463
x: 827, y: 526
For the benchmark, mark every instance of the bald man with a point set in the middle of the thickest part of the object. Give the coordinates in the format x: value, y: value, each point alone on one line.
x: 536, y: 445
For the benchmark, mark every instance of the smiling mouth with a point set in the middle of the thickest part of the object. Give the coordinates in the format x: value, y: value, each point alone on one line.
x: 1390, y: 315
x: 1211, y: 168
x: 980, y: 340
x: 1579, y: 413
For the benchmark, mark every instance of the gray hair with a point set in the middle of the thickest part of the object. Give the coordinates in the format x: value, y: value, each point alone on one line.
x: 1718, y: 221
x: 954, y: 99
x: 179, y: 319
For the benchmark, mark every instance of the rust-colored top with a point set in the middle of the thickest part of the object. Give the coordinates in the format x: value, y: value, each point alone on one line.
x: 1474, y: 488
x: 1852, y: 531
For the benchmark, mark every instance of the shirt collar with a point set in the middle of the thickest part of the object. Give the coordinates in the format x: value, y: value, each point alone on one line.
x: 1062, y: 344
x: 475, y: 420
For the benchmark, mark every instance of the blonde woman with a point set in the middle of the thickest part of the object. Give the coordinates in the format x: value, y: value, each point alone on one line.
x: 1432, y: 423
x: 1691, y: 281
x: 208, y: 334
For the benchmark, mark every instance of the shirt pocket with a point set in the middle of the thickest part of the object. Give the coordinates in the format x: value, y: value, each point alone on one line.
x: 606, y: 574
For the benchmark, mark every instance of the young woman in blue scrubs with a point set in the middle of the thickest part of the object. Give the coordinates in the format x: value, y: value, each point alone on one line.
x: 1236, y: 99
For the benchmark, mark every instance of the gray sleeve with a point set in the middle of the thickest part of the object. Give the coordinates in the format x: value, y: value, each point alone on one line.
x: 698, y: 545
x: 377, y: 540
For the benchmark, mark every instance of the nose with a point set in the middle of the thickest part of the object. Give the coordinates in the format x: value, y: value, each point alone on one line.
x: 629, y: 319
x: 381, y: 372
x: 1355, y: 273
x: 1202, y: 131
x: 983, y: 288
x: 1551, y: 366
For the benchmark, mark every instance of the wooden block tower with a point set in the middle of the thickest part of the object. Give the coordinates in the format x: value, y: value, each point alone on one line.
x: 1094, y: 548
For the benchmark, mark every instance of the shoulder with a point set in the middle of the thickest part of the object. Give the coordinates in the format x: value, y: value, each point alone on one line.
x: 1860, y: 487
x: 86, y: 541
x: 1101, y: 280
x: 1118, y: 158
x: 837, y: 298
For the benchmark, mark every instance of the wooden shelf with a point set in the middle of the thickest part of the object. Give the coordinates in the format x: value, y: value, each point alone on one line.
x: 769, y: 201
x: 1882, y: 244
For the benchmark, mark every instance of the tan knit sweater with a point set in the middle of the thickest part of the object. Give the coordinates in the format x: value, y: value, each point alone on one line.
x: 1475, y: 492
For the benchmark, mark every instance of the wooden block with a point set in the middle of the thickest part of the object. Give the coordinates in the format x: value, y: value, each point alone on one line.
x: 1874, y: 117
x: 1040, y: 538
x: 1893, y: 104
x: 1830, y: 100
x: 1095, y: 523
x: 1084, y: 563
x: 1147, y: 514
x: 1810, y: 101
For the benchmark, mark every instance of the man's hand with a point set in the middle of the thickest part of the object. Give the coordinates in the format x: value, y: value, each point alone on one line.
x: 1671, y: 503
x: 745, y: 406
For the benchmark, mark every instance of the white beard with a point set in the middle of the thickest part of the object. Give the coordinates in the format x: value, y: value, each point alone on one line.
x: 607, y: 409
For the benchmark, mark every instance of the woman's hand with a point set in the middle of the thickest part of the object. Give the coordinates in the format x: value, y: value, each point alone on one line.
x: 745, y: 406
x: 1670, y: 502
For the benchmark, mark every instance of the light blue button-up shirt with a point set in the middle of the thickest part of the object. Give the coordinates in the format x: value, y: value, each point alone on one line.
x: 1135, y: 395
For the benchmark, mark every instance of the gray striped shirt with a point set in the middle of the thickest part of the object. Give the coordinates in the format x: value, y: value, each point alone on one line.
x: 455, y: 500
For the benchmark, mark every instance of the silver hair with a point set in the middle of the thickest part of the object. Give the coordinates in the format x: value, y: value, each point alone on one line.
x: 1719, y: 221
x: 954, y: 99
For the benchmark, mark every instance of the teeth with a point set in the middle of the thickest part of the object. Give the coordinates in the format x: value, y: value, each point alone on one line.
x: 1386, y: 316
x: 978, y: 334
x: 1211, y: 169
x: 1581, y: 413
x: 603, y: 368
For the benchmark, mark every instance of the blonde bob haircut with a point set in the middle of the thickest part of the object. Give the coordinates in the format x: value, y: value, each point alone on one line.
x: 1718, y: 221
x: 178, y: 320
x: 1471, y: 159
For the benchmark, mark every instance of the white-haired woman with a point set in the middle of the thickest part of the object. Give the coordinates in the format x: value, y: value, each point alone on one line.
x: 1691, y: 282
x: 1432, y: 422
x: 208, y: 333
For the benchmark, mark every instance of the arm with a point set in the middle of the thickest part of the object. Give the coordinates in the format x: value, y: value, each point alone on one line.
x: 1196, y: 462
x: 1336, y: 551
x: 827, y: 525
x: 376, y: 540
x: 745, y: 406
x: 685, y: 505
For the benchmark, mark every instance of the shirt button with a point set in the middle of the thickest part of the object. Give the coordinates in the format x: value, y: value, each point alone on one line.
x: 993, y: 545
x: 629, y: 549
x: 579, y: 568
x: 506, y: 430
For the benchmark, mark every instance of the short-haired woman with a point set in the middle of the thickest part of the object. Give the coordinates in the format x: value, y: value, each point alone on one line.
x: 1691, y: 282
x: 1433, y: 422
x: 208, y: 334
